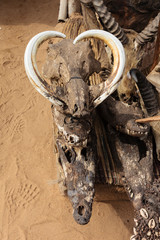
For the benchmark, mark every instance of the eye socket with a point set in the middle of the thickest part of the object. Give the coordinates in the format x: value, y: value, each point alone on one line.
x: 84, y: 153
x: 71, y: 139
x: 81, y: 210
x: 68, y: 120
x: 83, y: 64
x: 75, y: 108
x: 124, y: 97
x: 70, y: 155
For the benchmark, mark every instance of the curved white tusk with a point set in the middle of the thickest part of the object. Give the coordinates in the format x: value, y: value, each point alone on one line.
x: 111, y: 84
x: 31, y: 67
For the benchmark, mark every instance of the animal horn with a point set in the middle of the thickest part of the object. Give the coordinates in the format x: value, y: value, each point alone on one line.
x: 110, y: 85
x: 149, y: 32
x: 31, y: 66
x: 147, y: 91
x: 109, y: 23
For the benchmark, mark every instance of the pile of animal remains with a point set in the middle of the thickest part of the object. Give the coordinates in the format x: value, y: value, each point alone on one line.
x: 100, y: 108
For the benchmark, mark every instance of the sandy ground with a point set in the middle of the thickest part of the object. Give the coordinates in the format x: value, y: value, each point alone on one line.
x: 31, y: 206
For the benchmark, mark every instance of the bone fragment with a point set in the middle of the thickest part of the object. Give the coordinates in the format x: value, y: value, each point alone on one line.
x: 63, y: 9
x: 73, y: 7
x: 149, y: 32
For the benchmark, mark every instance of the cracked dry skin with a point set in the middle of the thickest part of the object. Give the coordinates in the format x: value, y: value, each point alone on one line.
x: 135, y: 151
x: 79, y: 169
x: 136, y: 158
x: 77, y: 161
x: 125, y: 125
x: 74, y: 136
x: 133, y: 144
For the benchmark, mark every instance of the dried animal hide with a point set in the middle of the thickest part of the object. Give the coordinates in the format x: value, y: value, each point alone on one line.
x: 147, y: 216
x: 74, y: 100
x: 122, y: 117
x: 76, y: 153
x: 69, y: 66
x: 150, y: 98
x: 137, y: 166
x: 78, y: 164
x: 131, y: 152
x: 134, y: 151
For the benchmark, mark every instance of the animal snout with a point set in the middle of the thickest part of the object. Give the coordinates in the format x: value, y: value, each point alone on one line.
x: 80, y: 110
x: 82, y: 213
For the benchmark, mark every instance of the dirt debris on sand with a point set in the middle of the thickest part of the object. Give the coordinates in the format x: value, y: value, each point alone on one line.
x: 31, y: 206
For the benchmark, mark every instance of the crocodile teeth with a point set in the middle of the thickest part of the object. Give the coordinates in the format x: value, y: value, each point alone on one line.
x: 151, y: 223
x: 144, y: 213
x: 133, y: 132
x: 131, y: 195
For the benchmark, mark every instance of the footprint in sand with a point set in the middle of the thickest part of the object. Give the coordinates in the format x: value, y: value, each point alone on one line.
x: 17, y: 129
x: 20, y: 196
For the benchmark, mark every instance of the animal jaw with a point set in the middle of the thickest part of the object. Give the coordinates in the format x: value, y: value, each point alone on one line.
x: 137, y: 166
x: 78, y: 164
x: 122, y: 117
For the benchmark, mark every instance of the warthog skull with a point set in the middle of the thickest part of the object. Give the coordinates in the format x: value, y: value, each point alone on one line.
x: 69, y: 66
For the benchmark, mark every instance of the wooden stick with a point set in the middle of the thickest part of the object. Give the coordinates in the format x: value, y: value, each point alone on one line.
x: 149, y: 119
x: 73, y: 7
x: 63, y: 10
